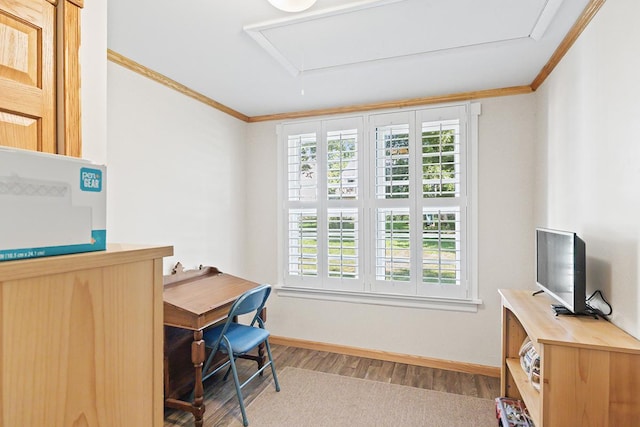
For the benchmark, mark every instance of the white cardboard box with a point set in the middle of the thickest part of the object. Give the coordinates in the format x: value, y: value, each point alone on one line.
x: 50, y: 205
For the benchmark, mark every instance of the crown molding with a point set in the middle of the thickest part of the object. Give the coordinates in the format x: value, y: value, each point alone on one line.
x: 402, y: 103
x: 166, y: 81
x: 585, y: 18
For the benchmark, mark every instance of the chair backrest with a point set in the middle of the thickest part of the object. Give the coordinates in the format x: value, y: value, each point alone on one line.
x: 252, y: 300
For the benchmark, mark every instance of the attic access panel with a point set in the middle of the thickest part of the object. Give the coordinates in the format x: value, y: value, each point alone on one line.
x: 383, y: 30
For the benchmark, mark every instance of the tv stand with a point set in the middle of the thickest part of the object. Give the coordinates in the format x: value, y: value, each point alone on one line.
x: 589, y: 369
x: 560, y: 309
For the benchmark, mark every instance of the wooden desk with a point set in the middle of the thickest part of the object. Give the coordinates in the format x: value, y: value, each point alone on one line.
x: 193, y: 301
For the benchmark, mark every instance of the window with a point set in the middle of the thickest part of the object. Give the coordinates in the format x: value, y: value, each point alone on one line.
x: 380, y: 204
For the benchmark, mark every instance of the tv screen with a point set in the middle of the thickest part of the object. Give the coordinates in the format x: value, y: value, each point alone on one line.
x: 561, y: 267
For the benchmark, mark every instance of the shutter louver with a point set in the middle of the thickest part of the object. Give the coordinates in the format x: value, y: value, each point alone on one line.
x: 441, y: 159
x: 392, y: 161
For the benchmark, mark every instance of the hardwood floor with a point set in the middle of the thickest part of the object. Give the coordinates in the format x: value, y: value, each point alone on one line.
x: 222, y: 405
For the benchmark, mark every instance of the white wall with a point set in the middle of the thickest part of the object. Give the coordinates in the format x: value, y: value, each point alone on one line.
x: 588, y: 160
x: 93, y: 60
x: 175, y: 167
x: 506, y: 137
x: 175, y: 173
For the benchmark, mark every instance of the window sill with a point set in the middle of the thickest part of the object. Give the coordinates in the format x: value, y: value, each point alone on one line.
x: 448, y: 304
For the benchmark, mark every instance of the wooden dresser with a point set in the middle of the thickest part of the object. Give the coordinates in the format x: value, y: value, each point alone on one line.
x: 81, y: 339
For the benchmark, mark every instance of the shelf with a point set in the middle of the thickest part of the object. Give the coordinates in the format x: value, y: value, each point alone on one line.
x: 590, y: 368
x: 530, y: 395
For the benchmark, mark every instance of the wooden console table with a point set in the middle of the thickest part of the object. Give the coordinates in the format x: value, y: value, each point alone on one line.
x: 589, y: 368
x: 193, y: 301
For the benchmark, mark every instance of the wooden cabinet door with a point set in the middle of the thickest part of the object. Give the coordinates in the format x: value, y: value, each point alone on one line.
x: 27, y: 75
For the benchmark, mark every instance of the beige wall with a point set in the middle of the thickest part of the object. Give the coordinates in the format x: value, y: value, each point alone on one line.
x: 506, y: 137
x: 93, y: 47
x: 175, y: 173
x: 588, y: 155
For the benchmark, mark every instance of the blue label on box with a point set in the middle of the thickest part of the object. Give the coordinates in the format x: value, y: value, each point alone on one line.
x: 98, y: 243
x: 90, y: 179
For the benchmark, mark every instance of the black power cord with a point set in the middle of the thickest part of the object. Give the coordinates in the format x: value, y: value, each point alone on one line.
x: 596, y: 310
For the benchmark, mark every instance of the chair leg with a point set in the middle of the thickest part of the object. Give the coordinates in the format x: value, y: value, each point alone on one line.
x: 226, y: 374
x: 245, y: 421
x: 273, y: 367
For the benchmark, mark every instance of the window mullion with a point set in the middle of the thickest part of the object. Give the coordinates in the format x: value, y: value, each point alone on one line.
x: 415, y: 196
x: 365, y: 204
x: 323, y: 207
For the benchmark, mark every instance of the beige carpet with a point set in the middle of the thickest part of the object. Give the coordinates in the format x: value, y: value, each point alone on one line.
x: 316, y: 399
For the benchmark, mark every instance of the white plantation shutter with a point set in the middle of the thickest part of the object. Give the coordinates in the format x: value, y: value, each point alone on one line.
x: 393, y: 245
x: 302, y: 219
x: 392, y: 161
x: 343, y: 243
x: 393, y: 137
x: 443, y: 202
x: 324, y: 204
x: 302, y: 167
x: 386, y: 214
x: 441, y: 172
x: 303, y: 242
x: 441, y: 243
x: 342, y: 164
x: 344, y: 233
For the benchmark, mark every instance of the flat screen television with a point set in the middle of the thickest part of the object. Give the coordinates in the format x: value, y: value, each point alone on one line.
x: 561, y: 268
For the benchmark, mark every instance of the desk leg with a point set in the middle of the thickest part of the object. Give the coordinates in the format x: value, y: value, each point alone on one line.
x: 261, y: 357
x: 197, y: 357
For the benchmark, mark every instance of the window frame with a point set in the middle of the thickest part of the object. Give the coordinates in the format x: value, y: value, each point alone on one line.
x: 365, y: 292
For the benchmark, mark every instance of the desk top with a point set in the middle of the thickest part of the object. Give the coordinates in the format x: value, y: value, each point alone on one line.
x: 195, y: 300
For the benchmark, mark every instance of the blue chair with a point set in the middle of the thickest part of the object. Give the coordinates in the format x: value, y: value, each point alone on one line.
x: 235, y: 339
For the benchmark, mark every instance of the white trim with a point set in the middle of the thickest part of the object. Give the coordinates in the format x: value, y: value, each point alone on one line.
x: 473, y: 150
x: 318, y: 14
x: 391, y: 300
x: 544, y: 19
x: 255, y: 31
x: 281, y: 191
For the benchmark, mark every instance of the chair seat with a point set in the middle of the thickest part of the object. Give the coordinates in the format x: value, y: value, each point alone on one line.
x: 243, y: 338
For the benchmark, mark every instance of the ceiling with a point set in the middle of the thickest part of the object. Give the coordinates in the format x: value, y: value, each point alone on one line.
x: 258, y: 60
